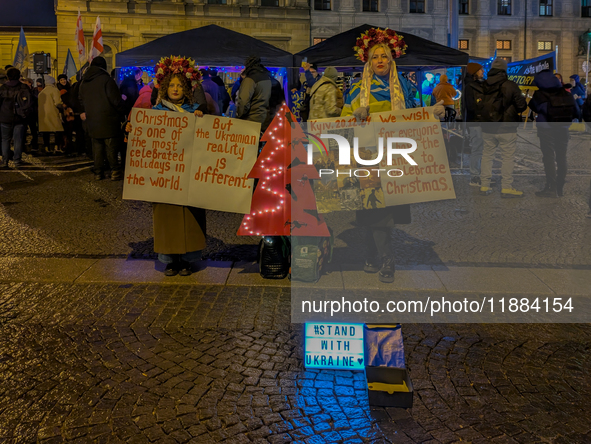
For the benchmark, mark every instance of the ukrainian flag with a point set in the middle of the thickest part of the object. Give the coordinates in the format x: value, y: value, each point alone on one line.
x: 21, y: 58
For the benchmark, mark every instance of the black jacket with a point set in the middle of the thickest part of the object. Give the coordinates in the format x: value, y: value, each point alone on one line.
x: 101, y: 100
x: 469, y: 101
x: 513, y: 101
x: 8, y: 94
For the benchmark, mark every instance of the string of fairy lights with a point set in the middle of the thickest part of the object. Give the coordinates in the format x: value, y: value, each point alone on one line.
x: 272, y: 171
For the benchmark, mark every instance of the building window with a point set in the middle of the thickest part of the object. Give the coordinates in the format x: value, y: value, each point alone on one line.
x: 108, y: 55
x: 322, y: 5
x: 269, y: 2
x: 216, y: 2
x: 544, y: 46
x: 504, y: 7
x: 317, y: 40
x: 464, y: 44
x: 418, y: 6
x: 585, y: 8
x: 507, y: 59
x: 503, y: 44
x: 464, y: 7
x: 370, y: 5
x: 546, y: 8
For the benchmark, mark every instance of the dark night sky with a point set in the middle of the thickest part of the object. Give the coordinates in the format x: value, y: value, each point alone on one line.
x: 27, y: 13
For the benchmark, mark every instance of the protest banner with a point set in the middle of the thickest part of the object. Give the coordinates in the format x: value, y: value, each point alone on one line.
x: 226, y: 151
x: 181, y: 159
x: 394, y: 181
x: 430, y: 179
x: 159, y: 150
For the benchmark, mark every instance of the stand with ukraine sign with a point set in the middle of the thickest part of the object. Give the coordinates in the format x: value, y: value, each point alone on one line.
x: 376, y: 349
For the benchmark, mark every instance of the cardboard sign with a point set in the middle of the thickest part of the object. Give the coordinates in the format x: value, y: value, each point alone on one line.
x: 226, y: 150
x: 430, y: 179
x: 334, y: 346
x: 180, y: 159
x: 359, y: 187
x: 159, y: 150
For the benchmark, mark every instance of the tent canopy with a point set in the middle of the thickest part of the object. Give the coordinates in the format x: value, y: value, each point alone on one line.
x: 209, y: 45
x: 338, y: 51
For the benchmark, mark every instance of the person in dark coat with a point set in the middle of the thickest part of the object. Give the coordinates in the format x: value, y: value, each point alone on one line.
x: 578, y: 90
x: 223, y: 96
x: 553, y: 133
x: 209, y: 86
x: 130, y: 88
x: 252, y: 100
x: 12, y: 122
x: 474, y: 76
x: 104, y: 112
x: 504, y: 100
x: 32, y: 119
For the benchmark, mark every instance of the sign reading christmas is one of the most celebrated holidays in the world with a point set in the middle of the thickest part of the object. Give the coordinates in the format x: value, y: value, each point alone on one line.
x: 177, y: 158
x: 334, y: 346
x: 283, y: 202
x: 360, y: 187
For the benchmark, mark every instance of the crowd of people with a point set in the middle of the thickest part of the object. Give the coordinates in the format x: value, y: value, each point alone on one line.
x: 91, y: 117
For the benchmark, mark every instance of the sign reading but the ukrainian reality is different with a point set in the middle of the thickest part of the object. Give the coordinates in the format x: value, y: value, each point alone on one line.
x: 181, y: 159
x: 397, y: 157
x: 334, y: 346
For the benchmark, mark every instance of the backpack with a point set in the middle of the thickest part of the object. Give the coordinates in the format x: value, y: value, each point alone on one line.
x: 489, y: 103
x: 273, y: 257
x: 309, y: 256
x: 23, y: 105
x: 560, y: 106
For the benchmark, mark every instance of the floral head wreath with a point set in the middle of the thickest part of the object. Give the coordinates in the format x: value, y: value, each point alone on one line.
x: 177, y: 65
x: 374, y: 36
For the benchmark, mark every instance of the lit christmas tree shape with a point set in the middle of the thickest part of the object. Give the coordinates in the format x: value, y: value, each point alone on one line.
x: 283, y: 202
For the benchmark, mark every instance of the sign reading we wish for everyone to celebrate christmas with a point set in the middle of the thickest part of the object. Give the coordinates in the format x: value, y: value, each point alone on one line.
x: 363, y: 184
x: 182, y: 159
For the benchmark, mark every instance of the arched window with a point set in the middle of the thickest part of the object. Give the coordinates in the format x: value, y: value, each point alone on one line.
x: 109, y: 57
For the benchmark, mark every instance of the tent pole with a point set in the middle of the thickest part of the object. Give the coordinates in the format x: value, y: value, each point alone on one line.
x: 420, y: 85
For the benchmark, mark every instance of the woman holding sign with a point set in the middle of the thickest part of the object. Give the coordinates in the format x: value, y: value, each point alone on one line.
x: 179, y: 231
x: 380, y: 89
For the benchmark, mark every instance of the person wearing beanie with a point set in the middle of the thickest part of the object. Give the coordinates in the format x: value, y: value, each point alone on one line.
x: 474, y: 78
x: 326, y: 99
x: 555, y: 109
x: 103, y: 110
x: 500, y: 103
x: 15, y: 108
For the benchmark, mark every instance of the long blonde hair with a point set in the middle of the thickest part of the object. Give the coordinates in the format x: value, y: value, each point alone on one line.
x: 396, y: 94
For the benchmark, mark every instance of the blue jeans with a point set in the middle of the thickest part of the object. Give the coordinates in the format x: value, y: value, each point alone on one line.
x: 476, y: 149
x: 190, y: 257
x: 16, y: 132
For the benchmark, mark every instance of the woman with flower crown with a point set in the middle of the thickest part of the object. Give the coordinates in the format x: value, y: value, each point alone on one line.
x: 179, y: 231
x: 380, y: 89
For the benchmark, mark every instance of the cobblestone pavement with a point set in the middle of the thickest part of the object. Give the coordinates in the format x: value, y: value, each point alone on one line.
x: 210, y: 364
x: 70, y: 214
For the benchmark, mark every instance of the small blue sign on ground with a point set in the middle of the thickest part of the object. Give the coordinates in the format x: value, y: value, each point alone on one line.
x: 334, y: 346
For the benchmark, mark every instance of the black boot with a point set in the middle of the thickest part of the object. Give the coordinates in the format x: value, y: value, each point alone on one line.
x: 387, y: 271
x: 371, y: 265
x: 548, y: 191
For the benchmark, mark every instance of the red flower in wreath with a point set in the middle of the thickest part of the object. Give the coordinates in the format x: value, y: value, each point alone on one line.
x: 373, y: 36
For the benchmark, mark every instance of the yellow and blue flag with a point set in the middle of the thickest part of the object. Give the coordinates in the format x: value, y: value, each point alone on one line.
x: 21, y: 58
x: 70, y: 66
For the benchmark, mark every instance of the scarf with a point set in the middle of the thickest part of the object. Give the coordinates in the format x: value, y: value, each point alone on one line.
x: 396, y: 94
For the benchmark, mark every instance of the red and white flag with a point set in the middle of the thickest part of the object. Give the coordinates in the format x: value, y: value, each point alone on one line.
x: 80, y: 43
x: 97, y: 41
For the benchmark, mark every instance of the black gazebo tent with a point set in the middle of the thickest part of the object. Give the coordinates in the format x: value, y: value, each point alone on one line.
x: 209, y: 45
x: 338, y: 51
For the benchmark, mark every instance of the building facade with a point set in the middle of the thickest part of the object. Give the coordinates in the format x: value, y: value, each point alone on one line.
x: 516, y: 29
x: 130, y: 23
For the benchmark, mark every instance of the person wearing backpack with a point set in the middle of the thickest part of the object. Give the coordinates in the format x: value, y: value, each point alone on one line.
x: 326, y: 99
x: 499, y: 103
x: 15, y: 107
x: 473, y: 80
x: 556, y: 109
